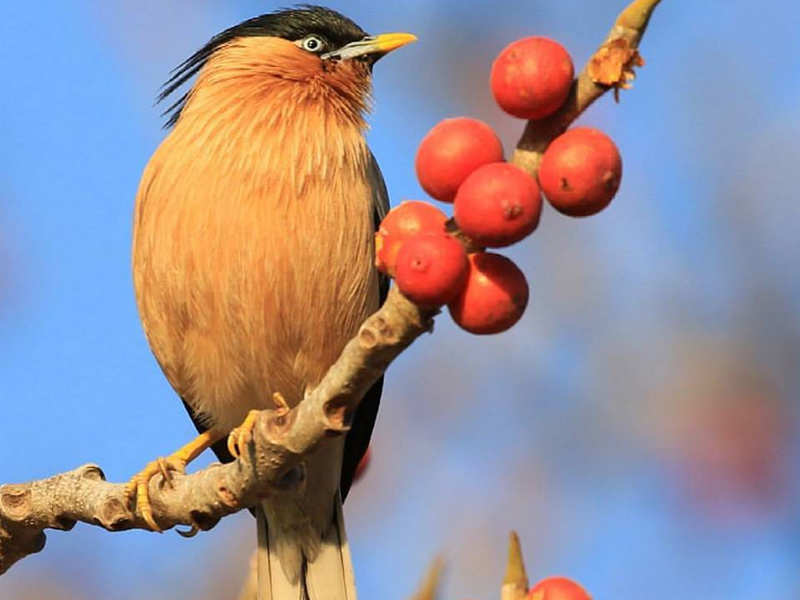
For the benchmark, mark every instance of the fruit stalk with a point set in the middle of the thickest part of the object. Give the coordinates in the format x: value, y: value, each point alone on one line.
x: 625, y: 36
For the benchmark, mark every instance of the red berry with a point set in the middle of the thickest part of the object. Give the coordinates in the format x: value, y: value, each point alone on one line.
x: 431, y: 268
x: 451, y: 151
x: 580, y: 172
x: 363, y: 464
x: 531, y: 77
x: 558, y: 588
x: 494, y: 297
x: 407, y: 220
x: 498, y: 204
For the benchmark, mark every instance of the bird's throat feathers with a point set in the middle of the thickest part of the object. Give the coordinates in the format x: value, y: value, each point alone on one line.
x: 255, y: 91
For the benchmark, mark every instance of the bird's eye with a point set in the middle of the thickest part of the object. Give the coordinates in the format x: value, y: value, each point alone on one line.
x: 312, y: 43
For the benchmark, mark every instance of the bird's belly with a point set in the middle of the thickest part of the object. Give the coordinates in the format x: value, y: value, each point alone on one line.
x: 245, y: 298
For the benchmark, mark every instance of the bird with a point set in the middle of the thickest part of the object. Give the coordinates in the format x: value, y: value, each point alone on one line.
x: 253, y: 261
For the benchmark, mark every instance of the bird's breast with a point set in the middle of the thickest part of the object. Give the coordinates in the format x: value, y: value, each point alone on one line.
x: 253, y: 256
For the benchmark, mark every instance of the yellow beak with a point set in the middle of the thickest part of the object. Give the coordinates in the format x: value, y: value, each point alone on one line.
x: 386, y: 42
x: 377, y: 44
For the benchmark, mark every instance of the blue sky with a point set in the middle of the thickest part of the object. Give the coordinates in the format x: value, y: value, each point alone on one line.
x: 477, y: 435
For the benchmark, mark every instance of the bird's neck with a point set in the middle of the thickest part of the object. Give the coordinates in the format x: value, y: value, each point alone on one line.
x: 262, y: 129
x: 253, y: 115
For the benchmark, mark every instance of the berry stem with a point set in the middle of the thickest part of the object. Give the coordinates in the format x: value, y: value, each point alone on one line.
x: 621, y: 46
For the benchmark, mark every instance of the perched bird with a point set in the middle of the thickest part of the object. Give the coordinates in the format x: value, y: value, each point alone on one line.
x: 253, y: 259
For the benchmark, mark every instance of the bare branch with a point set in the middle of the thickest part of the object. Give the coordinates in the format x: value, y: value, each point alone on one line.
x: 273, y: 464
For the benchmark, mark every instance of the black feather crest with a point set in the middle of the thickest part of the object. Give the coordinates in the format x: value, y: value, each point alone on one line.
x: 291, y: 24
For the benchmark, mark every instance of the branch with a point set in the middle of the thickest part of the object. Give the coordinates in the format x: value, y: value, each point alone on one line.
x: 281, y: 438
x: 272, y: 465
x: 515, y: 582
x: 610, y: 67
x: 429, y: 589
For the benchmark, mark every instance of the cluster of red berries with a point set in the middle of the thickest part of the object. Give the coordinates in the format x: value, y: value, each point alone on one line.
x: 496, y: 204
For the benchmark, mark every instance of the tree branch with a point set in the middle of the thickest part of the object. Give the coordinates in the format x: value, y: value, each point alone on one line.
x: 273, y: 464
x: 282, y: 438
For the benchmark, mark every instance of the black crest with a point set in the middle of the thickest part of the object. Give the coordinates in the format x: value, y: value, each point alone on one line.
x: 289, y: 24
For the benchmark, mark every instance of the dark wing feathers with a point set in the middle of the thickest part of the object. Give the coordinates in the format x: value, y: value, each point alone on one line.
x: 357, y: 440
x: 380, y: 203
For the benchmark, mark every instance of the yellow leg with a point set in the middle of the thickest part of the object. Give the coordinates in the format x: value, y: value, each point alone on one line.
x: 139, y: 485
x: 240, y: 436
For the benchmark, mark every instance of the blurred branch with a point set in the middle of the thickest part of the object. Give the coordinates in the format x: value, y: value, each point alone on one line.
x: 272, y: 465
x: 249, y: 590
x: 611, y: 67
x: 515, y: 582
x: 429, y: 590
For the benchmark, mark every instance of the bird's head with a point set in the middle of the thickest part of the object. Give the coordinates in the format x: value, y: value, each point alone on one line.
x: 316, y: 49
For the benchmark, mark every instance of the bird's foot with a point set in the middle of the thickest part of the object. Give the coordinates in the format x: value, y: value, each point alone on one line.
x: 240, y: 436
x: 281, y: 405
x: 139, y: 485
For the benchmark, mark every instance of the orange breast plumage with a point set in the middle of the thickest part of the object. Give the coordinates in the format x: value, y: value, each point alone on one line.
x: 253, y: 231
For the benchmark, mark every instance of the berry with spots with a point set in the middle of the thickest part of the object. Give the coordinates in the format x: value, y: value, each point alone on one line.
x: 494, y: 297
x: 498, y: 205
x: 431, y: 269
x: 580, y: 172
x: 403, y: 222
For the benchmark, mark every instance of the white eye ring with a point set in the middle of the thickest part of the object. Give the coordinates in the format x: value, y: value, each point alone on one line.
x: 312, y: 43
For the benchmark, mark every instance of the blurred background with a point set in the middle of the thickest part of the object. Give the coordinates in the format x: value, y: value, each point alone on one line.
x: 639, y: 427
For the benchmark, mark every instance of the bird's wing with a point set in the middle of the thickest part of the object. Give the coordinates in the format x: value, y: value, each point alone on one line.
x: 357, y: 440
x: 380, y: 202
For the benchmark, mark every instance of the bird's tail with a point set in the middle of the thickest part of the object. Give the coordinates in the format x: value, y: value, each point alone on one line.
x: 328, y: 576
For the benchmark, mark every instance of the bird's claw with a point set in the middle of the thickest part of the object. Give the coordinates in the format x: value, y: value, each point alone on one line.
x: 240, y: 436
x: 139, y: 485
x: 281, y: 405
x: 189, y: 533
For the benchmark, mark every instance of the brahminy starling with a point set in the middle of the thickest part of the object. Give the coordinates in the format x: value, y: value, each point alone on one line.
x: 253, y: 260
